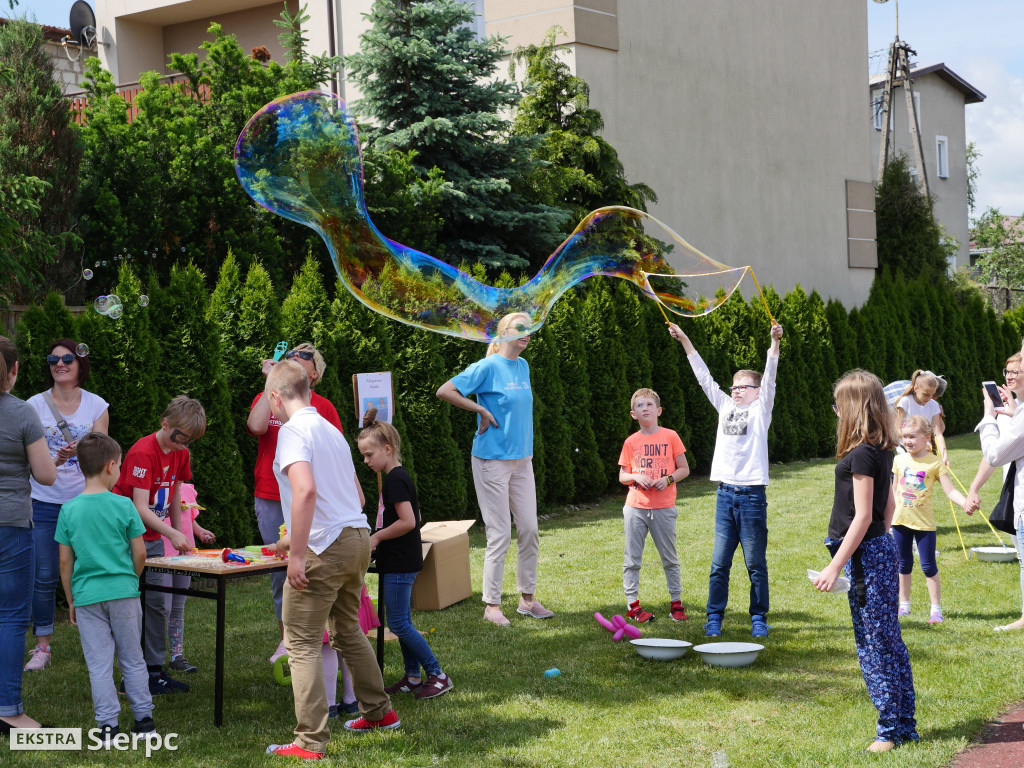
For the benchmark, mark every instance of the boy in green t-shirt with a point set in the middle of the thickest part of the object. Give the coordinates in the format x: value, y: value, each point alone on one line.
x: 102, y: 555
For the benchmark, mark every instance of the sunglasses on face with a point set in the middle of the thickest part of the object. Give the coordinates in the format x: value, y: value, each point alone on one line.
x: 180, y: 438
x: 303, y: 354
x: 54, y: 359
x: 742, y: 387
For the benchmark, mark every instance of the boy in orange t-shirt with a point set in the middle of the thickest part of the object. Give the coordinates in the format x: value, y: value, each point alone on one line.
x: 651, y: 463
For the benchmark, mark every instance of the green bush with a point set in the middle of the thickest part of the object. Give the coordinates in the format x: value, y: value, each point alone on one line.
x: 37, y: 329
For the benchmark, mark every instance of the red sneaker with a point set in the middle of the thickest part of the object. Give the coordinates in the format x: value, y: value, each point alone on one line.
x: 676, y: 611
x: 638, y: 614
x: 294, y: 750
x: 389, y: 722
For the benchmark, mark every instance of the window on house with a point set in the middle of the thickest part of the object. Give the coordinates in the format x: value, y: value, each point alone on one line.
x: 876, y: 108
x: 942, y: 157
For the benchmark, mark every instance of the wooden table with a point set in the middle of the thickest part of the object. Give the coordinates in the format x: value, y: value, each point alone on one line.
x: 221, y: 573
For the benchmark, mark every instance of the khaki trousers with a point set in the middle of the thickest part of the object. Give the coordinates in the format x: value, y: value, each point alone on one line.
x: 331, y: 599
x: 506, y: 492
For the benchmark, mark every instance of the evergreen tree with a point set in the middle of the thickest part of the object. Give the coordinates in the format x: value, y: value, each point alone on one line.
x: 306, y: 316
x: 125, y: 362
x: 362, y: 344
x: 844, y: 340
x: 669, y: 369
x: 581, y: 170
x: 39, y: 158
x: 36, y: 330
x: 632, y: 324
x: 429, y: 85
x: 909, y: 239
x: 190, y: 364
x: 440, y: 482
x: 566, y: 326
x: 248, y: 320
x: 606, y: 362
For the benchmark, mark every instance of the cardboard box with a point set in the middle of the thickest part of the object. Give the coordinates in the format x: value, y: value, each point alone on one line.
x: 444, y: 579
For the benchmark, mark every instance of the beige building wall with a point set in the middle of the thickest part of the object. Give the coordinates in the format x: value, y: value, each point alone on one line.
x: 746, y: 118
x: 941, y: 113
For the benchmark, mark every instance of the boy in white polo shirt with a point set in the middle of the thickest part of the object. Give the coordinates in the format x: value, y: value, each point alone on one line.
x: 322, y: 505
x: 740, y: 466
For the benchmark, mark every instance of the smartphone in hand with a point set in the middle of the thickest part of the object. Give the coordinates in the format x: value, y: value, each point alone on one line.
x: 993, y: 393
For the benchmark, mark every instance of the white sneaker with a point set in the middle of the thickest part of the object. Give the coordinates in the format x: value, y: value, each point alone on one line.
x: 40, y: 659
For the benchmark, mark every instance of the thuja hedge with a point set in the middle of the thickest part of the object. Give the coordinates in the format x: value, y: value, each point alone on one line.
x: 601, y: 342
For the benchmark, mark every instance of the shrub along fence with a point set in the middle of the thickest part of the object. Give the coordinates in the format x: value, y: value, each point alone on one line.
x: 602, y: 341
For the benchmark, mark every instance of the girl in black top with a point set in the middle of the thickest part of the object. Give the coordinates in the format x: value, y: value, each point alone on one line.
x: 861, y: 515
x: 399, y: 557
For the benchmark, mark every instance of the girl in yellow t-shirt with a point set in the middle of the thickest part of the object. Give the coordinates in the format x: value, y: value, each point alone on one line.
x: 914, y: 474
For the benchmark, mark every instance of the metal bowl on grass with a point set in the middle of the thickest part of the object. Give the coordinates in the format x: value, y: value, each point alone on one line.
x: 995, y: 554
x: 660, y: 648
x: 728, y: 654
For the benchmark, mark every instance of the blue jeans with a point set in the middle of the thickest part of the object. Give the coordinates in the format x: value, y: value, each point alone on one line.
x: 47, y: 576
x: 397, y: 591
x: 741, y: 518
x: 17, y: 563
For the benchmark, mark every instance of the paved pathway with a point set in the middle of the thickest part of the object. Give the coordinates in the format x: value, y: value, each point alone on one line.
x: 1001, y: 744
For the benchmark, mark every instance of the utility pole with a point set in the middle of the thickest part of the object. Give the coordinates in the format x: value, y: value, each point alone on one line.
x: 898, y: 73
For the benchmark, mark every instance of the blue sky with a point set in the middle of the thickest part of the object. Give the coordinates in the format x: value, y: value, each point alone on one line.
x: 977, y: 39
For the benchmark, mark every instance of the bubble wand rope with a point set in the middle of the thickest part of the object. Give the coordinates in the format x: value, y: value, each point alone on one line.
x: 952, y: 513
x: 761, y: 293
x: 998, y: 537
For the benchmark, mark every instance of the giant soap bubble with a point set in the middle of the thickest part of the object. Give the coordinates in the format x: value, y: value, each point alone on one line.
x: 299, y: 157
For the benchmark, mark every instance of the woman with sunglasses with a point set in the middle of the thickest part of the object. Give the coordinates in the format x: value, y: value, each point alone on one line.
x: 1012, y: 394
x: 503, y: 463
x: 263, y: 424
x: 23, y: 455
x: 68, y: 413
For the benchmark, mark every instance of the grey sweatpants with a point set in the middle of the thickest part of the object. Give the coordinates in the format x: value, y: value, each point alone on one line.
x: 661, y: 524
x: 105, y: 628
x: 154, y: 644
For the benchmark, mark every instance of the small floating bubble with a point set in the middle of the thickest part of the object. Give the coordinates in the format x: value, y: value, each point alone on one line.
x: 103, y: 263
x: 102, y: 304
x: 87, y: 274
x: 115, y: 312
x: 82, y: 350
x: 143, y: 300
x: 97, y: 264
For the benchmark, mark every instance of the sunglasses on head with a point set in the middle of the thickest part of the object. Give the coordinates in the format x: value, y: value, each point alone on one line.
x: 54, y: 359
x: 304, y: 354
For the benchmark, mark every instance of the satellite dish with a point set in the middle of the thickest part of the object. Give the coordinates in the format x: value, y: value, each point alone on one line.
x: 881, y: 2
x: 83, y: 24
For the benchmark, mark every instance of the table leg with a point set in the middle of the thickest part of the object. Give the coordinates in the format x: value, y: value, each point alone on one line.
x: 218, y: 685
x: 380, y: 632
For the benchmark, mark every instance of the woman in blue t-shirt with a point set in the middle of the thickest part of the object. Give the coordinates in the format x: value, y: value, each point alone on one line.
x: 503, y: 462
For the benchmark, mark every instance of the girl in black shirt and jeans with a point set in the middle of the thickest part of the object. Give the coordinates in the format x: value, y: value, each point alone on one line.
x: 399, y: 558
x: 861, y: 515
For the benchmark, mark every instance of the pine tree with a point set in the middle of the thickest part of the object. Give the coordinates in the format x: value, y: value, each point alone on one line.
x: 429, y: 85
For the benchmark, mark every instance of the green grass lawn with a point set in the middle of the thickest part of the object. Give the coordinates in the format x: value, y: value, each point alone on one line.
x: 803, y: 703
